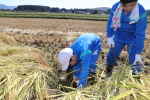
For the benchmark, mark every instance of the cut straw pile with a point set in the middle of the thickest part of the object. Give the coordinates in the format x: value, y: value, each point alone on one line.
x: 24, y: 72
x: 25, y: 75
x: 121, y: 86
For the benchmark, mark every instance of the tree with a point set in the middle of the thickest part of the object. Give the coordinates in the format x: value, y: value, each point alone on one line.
x: 33, y: 8
x: 148, y: 12
x: 95, y: 12
x: 108, y: 11
x: 63, y: 10
x: 55, y: 9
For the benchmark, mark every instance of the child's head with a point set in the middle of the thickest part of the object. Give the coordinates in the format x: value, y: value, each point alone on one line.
x: 67, y: 58
x: 127, y: 1
x: 128, y: 5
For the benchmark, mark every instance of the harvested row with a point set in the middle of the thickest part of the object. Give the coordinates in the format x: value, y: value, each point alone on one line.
x: 62, y: 25
x: 25, y: 72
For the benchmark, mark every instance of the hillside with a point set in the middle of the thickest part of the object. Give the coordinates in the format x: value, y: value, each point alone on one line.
x: 103, y: 8
x: 2, y: 6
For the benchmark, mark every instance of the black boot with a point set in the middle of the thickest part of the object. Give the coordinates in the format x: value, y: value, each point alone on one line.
x: 109, y: 70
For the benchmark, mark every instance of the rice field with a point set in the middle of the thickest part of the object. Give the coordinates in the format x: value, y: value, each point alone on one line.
x: 95, y: 17
x: 29, y: 69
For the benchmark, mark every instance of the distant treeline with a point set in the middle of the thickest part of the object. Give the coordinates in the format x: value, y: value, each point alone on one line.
x: 33, y: 8
x: 39, y: 8
x: 148, y: 12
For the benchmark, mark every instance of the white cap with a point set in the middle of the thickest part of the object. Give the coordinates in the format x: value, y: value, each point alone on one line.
x: 64, y: 57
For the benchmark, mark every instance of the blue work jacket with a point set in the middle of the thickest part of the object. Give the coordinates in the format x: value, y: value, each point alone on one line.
x: 83, y: 48
x: 129, y: 33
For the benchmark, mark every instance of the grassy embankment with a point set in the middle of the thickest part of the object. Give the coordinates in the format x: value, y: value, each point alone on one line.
x: 54, y: 15
x: 95, y: 17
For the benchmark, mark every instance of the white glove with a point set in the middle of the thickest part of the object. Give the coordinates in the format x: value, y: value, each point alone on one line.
x: 110, y: 42
x: 63, y: 78
x: 138, y: 59
x: 80, y: 87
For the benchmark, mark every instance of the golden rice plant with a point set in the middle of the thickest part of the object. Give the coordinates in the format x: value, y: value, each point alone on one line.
x: 25, y: 73
x: 7, y: 39
x: 121, y: 86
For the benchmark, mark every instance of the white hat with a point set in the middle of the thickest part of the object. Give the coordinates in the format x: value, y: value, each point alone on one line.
x: 64, y: 57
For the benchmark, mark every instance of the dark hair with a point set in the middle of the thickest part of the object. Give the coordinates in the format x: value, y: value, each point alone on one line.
x: 127, y: 1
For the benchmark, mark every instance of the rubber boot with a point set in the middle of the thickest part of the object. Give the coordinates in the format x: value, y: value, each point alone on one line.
x: 109, y: 70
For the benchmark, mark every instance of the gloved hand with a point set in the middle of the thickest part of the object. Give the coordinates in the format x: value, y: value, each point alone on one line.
x: 63, y: 78
x: 80, y: 87
x: 110, y: 42
x: 138, y: 59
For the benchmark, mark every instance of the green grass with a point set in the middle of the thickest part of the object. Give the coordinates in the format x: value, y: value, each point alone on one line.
x: 148, y: 19
x: 53, y: 15
x: 95, y: 17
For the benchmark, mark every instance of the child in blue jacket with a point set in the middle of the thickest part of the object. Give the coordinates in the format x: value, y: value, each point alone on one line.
x: 81, y: 57
x: 126, y: 26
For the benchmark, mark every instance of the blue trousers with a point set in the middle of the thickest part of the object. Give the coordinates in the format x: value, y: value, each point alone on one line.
x: 94, y: 58
x: 114, y: 53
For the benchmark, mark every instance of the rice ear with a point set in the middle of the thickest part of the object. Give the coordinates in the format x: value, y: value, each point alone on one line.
x: 7, y: 39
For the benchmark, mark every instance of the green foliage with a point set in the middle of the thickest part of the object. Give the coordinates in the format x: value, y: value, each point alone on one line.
x: 148, y: 19
x: 53, y: 15
x: 33, y: 8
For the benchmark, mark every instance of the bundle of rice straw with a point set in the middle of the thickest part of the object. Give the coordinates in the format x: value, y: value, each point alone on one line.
x: 24, y: 72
